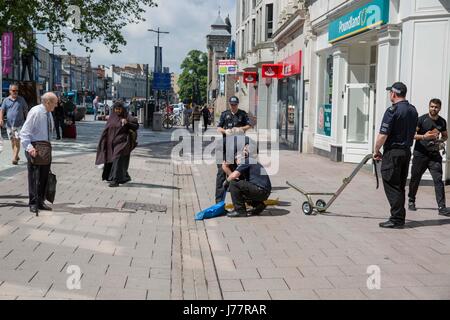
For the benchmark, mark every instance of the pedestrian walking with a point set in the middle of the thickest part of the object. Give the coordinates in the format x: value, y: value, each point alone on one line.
x: 396, y: 136
x: 196, y: 118
x: 15, y: 108
x: 206, y: 115
x: 95, y: 107
x: 118, y: 140
x: 232, y: 122
x: 249, y: 183
x: 36, y: 136
x: 58, y: 118
x: 187, y: 113
x: 430, y: 136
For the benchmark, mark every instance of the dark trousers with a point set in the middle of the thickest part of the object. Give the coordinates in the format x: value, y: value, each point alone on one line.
x: 205, y: 122
x: 59, y: 123
x: 220, y: 179
x: 37, y: 182
x: 420, y: 164
x: 243, y: 191
x: 394, y: 170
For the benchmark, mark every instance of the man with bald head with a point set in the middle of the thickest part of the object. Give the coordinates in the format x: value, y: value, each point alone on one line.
x: 38, y: 127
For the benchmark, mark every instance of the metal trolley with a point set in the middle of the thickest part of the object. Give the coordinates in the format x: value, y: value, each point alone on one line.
x: 321, y: 206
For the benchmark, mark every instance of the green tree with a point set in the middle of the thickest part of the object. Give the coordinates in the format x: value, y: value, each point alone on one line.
x: 99, y: 20
x: 194, y: 77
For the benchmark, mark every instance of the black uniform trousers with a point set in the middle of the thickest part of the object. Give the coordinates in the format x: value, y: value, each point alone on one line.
x: 37, y: 181
x: 394, y: 171
x: 59, y: 123
x: 243, y: 191
x: 420, y: 164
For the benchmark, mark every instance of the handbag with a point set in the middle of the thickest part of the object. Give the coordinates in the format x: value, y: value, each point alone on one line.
x: 44, y: 153
x: 133, y: 139
x: 50, y: 190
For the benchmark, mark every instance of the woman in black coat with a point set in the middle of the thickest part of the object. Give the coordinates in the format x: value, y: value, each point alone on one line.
x: 117, y: 142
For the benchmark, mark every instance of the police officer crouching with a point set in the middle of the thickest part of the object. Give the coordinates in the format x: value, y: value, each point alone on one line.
x: 232, y: 122
x: 396, y: 136
x: 248, y: 183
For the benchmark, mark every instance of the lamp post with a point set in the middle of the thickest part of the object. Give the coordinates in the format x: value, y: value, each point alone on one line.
x: 158, y: 59
x: 53, y: 64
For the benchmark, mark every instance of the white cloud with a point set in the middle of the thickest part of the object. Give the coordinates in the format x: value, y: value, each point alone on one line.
x: 188, y: 22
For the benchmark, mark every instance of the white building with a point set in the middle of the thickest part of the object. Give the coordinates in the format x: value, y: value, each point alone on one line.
x: 127, y: 82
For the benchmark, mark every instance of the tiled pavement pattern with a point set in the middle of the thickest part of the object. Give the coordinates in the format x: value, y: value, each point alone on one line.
x: 281, y: 254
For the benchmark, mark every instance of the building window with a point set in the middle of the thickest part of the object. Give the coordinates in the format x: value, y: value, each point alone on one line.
x: 269, y: 21
x: 253, y: 33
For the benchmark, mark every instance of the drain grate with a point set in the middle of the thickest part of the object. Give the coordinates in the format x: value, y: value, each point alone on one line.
x: 138, y: 206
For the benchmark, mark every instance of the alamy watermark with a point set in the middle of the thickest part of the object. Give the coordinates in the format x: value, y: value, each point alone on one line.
x: 374, y: 280
x: 74, y: 280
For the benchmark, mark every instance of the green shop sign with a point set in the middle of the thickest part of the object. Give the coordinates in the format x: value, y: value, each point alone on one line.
x: 372, y: 15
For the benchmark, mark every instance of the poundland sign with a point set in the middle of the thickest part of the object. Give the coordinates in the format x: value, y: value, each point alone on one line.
x: 372, y: 15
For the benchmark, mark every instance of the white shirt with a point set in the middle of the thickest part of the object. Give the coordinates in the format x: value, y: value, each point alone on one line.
x: 37, y: 127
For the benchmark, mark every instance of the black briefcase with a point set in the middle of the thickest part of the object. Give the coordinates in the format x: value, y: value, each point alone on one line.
x: 50, y: 191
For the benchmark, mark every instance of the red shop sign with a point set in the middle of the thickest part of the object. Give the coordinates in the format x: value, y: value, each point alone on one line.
x: 272, y: 71
x: 250, y: 77
x: 292, y: 65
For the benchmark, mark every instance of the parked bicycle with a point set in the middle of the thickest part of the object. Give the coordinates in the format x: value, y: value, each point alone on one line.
x: 170, y: 120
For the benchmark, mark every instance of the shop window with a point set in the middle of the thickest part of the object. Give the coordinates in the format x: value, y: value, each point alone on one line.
x: 324, y: 108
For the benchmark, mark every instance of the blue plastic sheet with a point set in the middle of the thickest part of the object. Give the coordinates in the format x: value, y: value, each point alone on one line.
x: 211, y: 212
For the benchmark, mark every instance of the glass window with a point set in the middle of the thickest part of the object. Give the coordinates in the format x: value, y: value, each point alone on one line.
x: 269, y: 23
x: 324, y: 107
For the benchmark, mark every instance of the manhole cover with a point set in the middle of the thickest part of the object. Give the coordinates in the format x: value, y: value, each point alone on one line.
x: 137, y: 206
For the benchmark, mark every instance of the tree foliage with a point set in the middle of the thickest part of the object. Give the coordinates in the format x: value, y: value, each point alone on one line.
x: 194, y: 77
x: 99, y: 20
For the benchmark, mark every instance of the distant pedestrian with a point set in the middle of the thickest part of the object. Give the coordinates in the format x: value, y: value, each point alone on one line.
x: 36, y: 136
x: 187, y: 114
x: 196, y: 117
x: 118, y: 140
x: 95, y: 107
x: 431, y: 134
x: 58, y: 118
x: 15, y: 107
x: 397, y: 137
x: 206, y: 115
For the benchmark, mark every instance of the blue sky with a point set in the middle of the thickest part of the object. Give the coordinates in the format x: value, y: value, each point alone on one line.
x: 188, y: 22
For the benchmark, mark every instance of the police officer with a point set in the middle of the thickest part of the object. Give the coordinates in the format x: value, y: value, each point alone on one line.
x: 248, y: 183
x: 430, y: 128
x: 232, y: 122
x: 396, y: 136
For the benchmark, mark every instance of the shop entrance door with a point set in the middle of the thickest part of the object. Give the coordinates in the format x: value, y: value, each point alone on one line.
x: 358, y: 122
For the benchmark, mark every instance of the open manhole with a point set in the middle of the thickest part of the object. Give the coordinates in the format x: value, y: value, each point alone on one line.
x: 139, y: 206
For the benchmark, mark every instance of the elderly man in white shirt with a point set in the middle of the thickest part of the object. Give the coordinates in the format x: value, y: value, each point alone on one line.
x: 38, y: 127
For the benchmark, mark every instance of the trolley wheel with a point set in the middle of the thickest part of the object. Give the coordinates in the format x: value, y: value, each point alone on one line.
x: 321, y: 204
x: 307, y: 208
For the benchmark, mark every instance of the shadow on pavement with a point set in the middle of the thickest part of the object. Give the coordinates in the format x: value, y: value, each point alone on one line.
x: 274, y: 213
x: 149, y: 186
x: 73, y: 209
x: 14, y: 196
x: 426, y: 223
x: 347, y: 216
x: 16, y: 204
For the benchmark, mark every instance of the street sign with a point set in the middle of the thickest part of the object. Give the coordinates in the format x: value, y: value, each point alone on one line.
x: 162, y: 81
x: 227, y: 67
x: 272, y: 71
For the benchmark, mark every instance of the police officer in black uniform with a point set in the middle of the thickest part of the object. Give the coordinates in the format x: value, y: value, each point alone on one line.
x: 397, y: 137
x: 431, y: 133
x: 232, y: 122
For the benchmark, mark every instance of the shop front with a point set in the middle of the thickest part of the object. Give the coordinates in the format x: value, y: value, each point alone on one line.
x: 290, y: 99
x: 347, y: 81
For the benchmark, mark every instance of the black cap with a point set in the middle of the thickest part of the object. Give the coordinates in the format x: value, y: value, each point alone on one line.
x: 398, y: 88
x: 234, y: 100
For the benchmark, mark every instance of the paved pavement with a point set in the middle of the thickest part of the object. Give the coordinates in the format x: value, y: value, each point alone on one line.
x: 124, y: 248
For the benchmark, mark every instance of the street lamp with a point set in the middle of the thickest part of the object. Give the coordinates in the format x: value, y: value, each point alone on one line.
x: 53, y: 64
x: 158, y: 59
